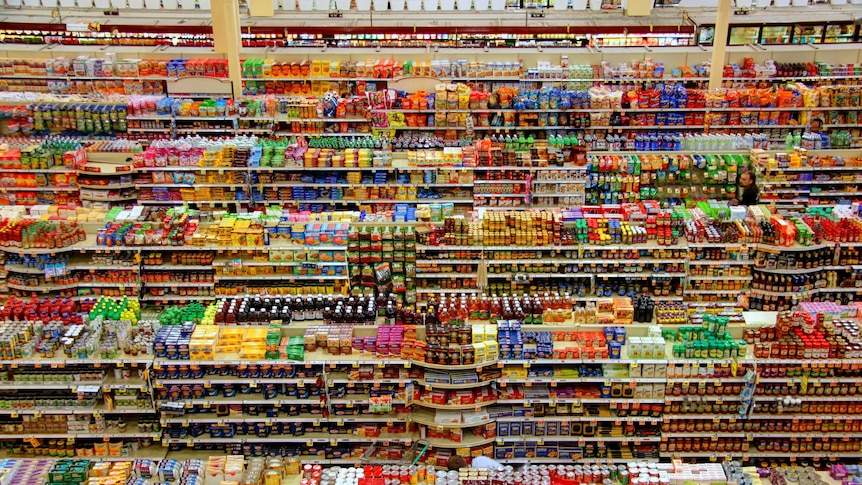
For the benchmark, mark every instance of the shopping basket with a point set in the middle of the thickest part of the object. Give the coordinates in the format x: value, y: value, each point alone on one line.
x: 380, y: 453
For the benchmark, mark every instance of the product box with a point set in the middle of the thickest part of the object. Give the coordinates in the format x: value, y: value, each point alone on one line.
x: 447, y: 417
x: 528, y: 428
x: 540, y: 429
x: 635, y: 371
x: 515, y: 429
x: 487, y: 431
x: 570, y: 452
x: 553, y: 428
x: 463, y: 397
x: 504, y: 452
x: 464, y: 377
x: 502, y: 429
x: 472, y: 417
x: 648, y: 370
x: 546, y: 451
x: 635, y: 347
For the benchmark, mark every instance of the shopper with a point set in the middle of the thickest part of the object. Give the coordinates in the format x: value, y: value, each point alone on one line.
x: 747, y: 193
x: 456, y: 463
x: 815, y: 126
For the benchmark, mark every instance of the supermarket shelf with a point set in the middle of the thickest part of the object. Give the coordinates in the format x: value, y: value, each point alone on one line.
x: 455, y: 407
x: 541, y: 275
x: 427, y: 419
x: 189, y: 168
x: 214, y: 418
x: 148, y: 453
x: 582, y: 262
x: 16, y: 268
x: 19, y: 385
x: 56, y: 169
x: 38, y: 189
x: 177, y: 298
x: 239, y: 399
x: 714, y: 292
x: 98, y: 284
x: 75, y: 435
x: 599, y: 438
x: 108, y: 187
x: 303, y: 438
x: 589, y: 419
x: 469, y: 441
x: 280, y: 277
x: 447, y: 291
x: 232, y: 380
x: 804, y: 398
x: 228, y: 262
x: 465, y: 385
x: 550, y: 400
x: 44, y: 288
x: 832, y: 417
x: 820, y: 380
x: 720, y: 263
x: 475, y: 366
x: 173, y: 284
x: 801, y: 270
x: 177, y: 267
x: 719, y: 278
x: 191, y: 202
x: 575, y: 380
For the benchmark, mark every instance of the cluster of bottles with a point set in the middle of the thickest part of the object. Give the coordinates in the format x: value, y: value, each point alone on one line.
x: 617, y: 188
x: 331, y: 309
x: 557, y: 285
x: 840, y: 139
x: 814, y: 258
x: 342, y: 142
x: 83, y: 118
x: 851, y: 255
x: 794, y: 283
x: 718, y: 254
x: 530, y: 309
x: 718, y: 285
x: 644, y: 309
x: 807, y: 140
x: 773, y: 303
x: 261, y: 310
x: 519, y: 142
x: 634, y: 287
x: 704, y: 142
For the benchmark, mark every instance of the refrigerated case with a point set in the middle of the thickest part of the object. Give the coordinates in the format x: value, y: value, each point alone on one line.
x: 776, y: 34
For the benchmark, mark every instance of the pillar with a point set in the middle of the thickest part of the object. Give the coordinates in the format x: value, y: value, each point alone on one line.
x: 227, y: 39
x: 719, y: 43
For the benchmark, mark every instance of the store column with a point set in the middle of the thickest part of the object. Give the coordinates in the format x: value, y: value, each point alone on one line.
x: 719, y: 43
x: 227, y: 39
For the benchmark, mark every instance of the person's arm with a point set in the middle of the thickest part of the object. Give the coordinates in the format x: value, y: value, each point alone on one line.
x: 485, y: 462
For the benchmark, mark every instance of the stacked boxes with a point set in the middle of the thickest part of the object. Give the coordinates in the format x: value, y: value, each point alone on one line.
x: 647, y: 347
